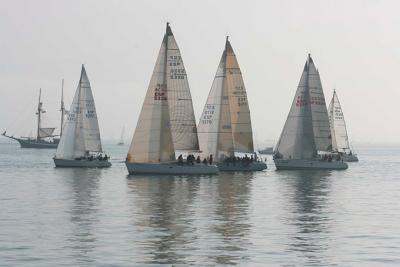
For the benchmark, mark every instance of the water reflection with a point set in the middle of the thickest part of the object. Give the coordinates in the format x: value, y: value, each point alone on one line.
x: 166, y: 214
x: 233, y: 220
x: 83, y: 212
x: 308, y: 193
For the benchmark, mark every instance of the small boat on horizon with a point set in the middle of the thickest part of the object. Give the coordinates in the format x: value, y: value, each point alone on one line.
x: 45, y: 137
x: 121, y: 140
x: 80, y: 144
x: 340, y: 138
x: 166, y: 122
x: 305, y: 141
x: 225, y: 125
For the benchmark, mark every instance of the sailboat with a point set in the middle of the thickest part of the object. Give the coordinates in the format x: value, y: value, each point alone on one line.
x: 80, y: 144
x: 45, y: 137
x: 166, y: 122
x: 225, y: 124
x: 340, y: 139
x: 305, y: 141
x: 121, y: 141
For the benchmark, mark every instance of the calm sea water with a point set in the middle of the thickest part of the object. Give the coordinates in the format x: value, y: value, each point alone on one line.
x: 93, y: 217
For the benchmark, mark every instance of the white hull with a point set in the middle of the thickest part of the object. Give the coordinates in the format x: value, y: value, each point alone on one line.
x: 242, y: 167
x: 170, y: 168
x: 81, y: 163
x: 350, y: 158
x: 300, y: 164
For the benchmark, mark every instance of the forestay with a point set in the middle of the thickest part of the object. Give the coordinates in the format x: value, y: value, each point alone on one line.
x: 306, y: 129
x: 340, y: 140
x: 81, y: 132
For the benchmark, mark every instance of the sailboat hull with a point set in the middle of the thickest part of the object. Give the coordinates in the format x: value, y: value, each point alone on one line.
x: 350, y: 158
x: 242, y: 167
x: 300, y: 164
x: 81, y: 163
x: 170, y: 168
x: 26, y: 143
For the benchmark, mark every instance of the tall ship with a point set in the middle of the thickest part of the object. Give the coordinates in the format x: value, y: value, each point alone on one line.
x: 225, y: 131
x: 305, y: 141
x: 80, y: 144
x: 340, y: 139
x: 45, y: 137
x: 166, y: 122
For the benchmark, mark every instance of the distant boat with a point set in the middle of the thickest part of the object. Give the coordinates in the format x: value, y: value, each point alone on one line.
x: 305, y: 141
x: 80, y: 144
x: 340, y: 139
x: 121, y: 140
x: 266, y: 151
x: 225, y: 124
x: 45, y: 137
x: 166, y: 122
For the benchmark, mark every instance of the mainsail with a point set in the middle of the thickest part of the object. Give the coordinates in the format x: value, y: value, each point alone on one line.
x: 340, y: 140
x: 307, y: 128
x: 225, y: 125
x: 152, y: 141
x: 81, y: 132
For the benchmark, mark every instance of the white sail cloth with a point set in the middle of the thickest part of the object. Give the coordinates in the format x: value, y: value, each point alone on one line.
x: 46, y: 132
x: 225, y: 124
x: 166, y: 121
x: 340, y: 139
x: 81, y: 132
x: 307, y: 128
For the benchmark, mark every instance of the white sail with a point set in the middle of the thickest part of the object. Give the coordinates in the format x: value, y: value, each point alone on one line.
x: 46, y: 132
x: 215, y: 126
x: 340, y: 140
x: 81, y: 132
x: 121, y: 140
x: 152, y: 141
x: 182, y: 119
x: 306, y: 129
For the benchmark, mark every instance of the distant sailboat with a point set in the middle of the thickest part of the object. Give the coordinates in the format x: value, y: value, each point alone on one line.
x: 80, y: 144
x: 45, y: 137
x: 305, y: 141
x: 166, y: 122
x: 340, y: 139
x: 225, y: 124
x: 121, y: 140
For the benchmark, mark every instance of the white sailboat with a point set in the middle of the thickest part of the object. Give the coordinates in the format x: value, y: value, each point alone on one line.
x: 80, y: 144
x: 121, y: 140
x: 225, y: 124
x: 340, y: 139
x: 305, y: 141
x: 166, y: 122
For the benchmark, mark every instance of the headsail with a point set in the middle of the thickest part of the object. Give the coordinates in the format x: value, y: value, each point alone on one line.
x: 238, y: 104
x: 340, y: 140
x: 152, y: 141
x: 81, y: 130
x: 306, y: 129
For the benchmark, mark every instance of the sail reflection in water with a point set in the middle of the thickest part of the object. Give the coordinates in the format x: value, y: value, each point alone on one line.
x: 179, y: 215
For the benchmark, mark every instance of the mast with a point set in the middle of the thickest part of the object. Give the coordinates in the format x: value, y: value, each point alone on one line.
x: 39, y: 111
x: 62, y: 107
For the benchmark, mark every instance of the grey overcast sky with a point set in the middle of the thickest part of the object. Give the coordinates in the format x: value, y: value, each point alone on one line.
x: 355, y: 45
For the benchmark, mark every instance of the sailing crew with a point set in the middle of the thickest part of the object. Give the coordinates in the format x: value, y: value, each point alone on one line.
x: 211, y: 159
